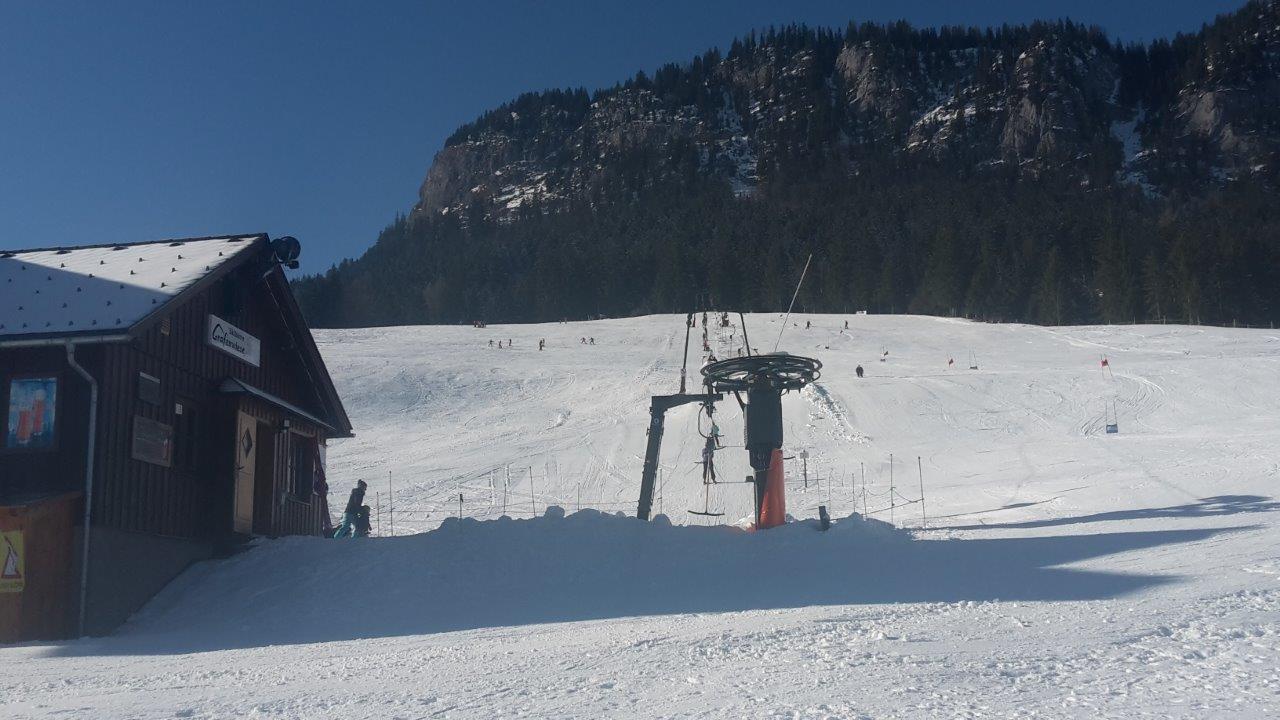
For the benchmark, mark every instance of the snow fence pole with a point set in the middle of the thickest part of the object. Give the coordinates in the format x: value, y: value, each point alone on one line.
x: 377, y: 510
x: 459, y: 506
x: 924, y: 523
x: 391, y: 506
x: 891, y: 500
x: 863, y: 465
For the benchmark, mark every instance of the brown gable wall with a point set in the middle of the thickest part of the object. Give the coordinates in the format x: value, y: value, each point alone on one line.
x: 135, y: 495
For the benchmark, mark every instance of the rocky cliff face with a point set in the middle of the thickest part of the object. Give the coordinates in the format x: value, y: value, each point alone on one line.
x: 1051, y: 99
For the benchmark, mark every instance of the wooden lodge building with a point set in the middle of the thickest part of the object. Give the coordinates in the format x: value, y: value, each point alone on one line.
x: 166, y: 396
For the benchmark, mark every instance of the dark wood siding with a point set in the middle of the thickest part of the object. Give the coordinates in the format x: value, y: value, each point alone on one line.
x: 193, y: 501
x: 31, y: 472
x: 144, y: 497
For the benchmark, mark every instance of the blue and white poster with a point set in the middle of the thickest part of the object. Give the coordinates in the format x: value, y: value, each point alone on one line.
x: 33, y: 404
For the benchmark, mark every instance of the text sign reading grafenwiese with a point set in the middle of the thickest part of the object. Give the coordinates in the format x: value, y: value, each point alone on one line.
x: 233, y: 341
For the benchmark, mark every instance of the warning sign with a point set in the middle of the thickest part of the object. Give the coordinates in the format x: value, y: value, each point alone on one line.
x: 12, y: 567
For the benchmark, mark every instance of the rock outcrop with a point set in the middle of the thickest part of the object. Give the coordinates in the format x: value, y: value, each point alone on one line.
x: 1053, y: 99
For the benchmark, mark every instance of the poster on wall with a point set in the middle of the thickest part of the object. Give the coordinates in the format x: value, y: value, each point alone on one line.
x: 33, y: 407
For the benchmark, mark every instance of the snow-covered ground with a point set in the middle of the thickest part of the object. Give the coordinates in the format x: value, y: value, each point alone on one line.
x: 1062, y: 571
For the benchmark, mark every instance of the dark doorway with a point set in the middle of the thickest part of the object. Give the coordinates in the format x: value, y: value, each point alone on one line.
x: 264, y: 500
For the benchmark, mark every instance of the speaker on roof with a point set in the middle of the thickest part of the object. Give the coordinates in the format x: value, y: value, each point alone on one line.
x: 285, y: 250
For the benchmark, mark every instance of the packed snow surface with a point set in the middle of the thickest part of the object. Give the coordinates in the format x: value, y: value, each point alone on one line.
x: 1052, y: 570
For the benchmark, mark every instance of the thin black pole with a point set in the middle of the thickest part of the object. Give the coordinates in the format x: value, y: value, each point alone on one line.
x: 892, y: 502
x: 924, y: 522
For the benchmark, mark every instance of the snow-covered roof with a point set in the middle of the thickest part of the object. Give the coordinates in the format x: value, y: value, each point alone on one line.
x: 104, y: 289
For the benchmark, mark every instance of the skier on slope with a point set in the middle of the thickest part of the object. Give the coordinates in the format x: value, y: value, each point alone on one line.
x: 542, y: 344
x: 708, y: 461
x: 858, y: 370
x: 709, y: 452
x: 349, y: 516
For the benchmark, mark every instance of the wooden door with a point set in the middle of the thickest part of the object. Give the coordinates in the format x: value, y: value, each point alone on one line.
x: 246, y: 466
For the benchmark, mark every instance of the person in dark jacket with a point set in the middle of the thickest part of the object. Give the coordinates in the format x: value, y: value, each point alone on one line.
x: 363, y: 525
x: 349, y: 516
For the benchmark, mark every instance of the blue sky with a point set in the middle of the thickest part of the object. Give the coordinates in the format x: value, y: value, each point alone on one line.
x: 134, y: 120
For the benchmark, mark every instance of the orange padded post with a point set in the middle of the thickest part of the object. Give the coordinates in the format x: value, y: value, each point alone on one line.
x: 773, y: 509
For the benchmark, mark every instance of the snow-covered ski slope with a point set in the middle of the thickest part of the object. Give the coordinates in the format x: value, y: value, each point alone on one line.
x: 1020, y: 439
x: 1064, y: 571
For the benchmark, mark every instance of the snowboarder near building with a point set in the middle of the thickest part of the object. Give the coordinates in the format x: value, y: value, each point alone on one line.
x: 806, y: 324
x: 362, y: 524
x: 350, y: 515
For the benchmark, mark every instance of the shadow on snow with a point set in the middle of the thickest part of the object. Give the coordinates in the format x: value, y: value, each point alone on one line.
x: 470, y: 574
x: 1206, y: 507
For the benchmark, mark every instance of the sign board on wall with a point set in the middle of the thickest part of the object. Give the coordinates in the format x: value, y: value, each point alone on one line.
x: 13, y: 567
x: 152, y: 442
x: 233, y: 341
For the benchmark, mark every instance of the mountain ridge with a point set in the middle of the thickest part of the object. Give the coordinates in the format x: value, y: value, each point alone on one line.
x: 1049, y: 97
x: 1042, y: 173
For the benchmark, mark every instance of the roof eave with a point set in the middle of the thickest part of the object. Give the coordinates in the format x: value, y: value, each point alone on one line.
x: 89, y: 338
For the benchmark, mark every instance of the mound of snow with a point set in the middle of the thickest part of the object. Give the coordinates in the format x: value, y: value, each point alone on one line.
x: 589, y: 565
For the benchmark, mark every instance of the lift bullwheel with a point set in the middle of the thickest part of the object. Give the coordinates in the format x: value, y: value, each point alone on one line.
x: 780, y: 371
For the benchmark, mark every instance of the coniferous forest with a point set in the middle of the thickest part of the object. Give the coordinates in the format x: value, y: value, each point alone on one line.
x: 652, y: 230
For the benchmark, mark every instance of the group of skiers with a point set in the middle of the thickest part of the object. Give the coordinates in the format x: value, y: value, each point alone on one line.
x: 542, y: 343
